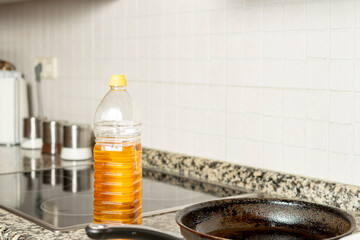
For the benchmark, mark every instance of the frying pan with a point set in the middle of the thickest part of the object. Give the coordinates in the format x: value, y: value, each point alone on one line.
x: 244, y: 218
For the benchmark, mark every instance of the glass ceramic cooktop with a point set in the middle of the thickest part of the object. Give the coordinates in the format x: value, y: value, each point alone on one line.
x: 61, y: 198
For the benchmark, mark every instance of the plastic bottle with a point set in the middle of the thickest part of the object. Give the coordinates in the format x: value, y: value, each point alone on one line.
x: 117, y: 154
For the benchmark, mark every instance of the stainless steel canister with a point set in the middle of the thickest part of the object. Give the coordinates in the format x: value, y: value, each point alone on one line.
x: 52, y: 137
x: 77, y: 136
x: 32, y: 128
x: 32, y: 133
x: 76, y: 142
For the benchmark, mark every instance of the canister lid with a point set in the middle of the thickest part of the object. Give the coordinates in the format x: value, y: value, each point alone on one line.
x: 32, y: 128
x: 52, y: 131
x: 77, y: 136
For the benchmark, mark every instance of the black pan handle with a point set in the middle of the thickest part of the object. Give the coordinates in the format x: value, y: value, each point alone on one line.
x: 103, y: 231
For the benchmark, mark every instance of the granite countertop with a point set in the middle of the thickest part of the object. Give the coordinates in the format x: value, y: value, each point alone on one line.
x: 266, y: 183
x: 16, y: 228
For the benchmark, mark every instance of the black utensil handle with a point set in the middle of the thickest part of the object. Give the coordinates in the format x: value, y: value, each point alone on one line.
x: 100, y: 231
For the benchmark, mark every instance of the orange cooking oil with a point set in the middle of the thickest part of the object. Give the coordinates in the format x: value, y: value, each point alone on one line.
x: 118, y: 183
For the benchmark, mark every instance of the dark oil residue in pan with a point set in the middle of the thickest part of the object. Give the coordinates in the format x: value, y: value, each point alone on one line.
x: 265, y: 234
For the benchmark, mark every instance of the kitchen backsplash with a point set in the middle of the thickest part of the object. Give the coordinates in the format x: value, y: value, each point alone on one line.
x: 273, y: 84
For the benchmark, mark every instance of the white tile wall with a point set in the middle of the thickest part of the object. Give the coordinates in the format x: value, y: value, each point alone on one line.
x: 272, y: 83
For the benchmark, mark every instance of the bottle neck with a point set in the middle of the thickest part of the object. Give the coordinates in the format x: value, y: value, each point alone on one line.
x: 118, y: 88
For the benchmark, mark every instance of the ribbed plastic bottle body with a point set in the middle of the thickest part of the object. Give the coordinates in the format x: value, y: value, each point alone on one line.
x: 117, y: 166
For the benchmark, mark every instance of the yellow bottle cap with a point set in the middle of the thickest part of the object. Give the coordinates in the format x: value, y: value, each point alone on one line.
x: 117, y: 81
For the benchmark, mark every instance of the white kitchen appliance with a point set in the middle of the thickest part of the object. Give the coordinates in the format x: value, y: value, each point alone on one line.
x: 13, y: 107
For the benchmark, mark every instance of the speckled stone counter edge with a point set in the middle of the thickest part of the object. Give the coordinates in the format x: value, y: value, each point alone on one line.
x: 13, y: 227
x: 339, y: 195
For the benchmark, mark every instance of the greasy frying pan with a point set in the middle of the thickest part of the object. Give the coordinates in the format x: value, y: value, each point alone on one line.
x: 245, y: 218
